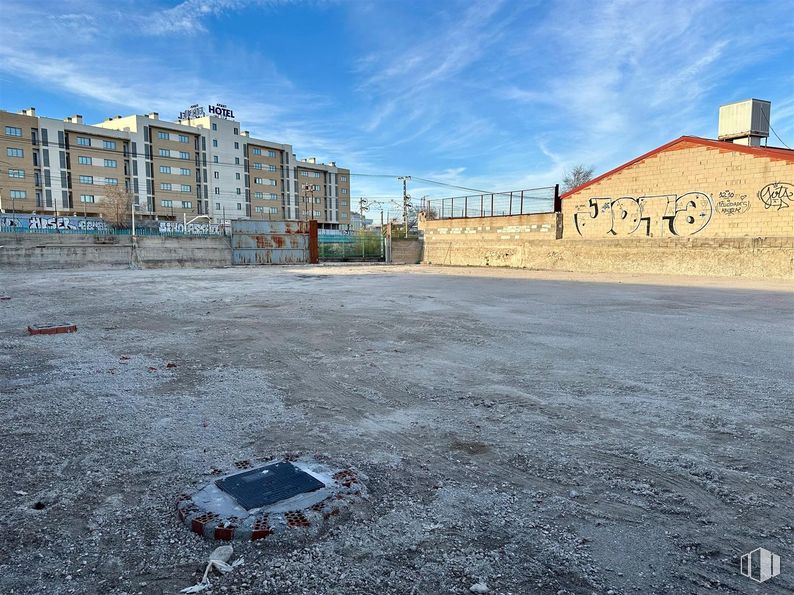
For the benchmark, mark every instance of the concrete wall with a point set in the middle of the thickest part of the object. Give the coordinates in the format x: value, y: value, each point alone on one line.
x: 406, y: 251
x: 501, y: 241
x: 687, y: 190
x: 730, y: 257
x: 66, y: 251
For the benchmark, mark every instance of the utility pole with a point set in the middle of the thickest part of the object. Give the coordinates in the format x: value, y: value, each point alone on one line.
x: 363, y: 207
x: 406, y: 202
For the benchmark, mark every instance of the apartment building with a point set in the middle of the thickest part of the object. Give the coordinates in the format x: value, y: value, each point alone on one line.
x: 198, y: 167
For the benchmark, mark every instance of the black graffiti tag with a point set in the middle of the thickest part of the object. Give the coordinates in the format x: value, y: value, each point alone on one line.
x: 776, y: 195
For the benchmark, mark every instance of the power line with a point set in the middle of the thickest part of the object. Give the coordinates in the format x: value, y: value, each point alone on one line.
x: 773, y: 130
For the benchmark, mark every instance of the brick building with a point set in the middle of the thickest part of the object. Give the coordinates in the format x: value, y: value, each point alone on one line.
x: 689, y: 187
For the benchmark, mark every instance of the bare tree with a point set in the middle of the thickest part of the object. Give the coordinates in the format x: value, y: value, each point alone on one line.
x: 116, y: 206
x: 576, y: 176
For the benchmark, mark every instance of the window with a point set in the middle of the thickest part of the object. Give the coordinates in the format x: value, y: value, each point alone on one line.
x: 316, y: 187
x: 259, y: 209
x: 84, y: 141
x: 343, y: 190
x: 214, y: 142
x: 343, y: 178
x: 16, y: 173
x: 214, y: 126
x: 237, y: 176
x: 110, y: 163
x: 166, y: 203
x: 342, y: 203
x: 237, y: 131
x: 183, y: 171
x: 165, y: 169
x: 109, y: 144
x: 237, y: 161
x: 165, y: 152
x: 273, y: 196
x: 18, y: 194
x: 215, y: 159
x: 165, y: 186
x: 271, y: 168
x: 111, y: 181
x: 87, y: 198
x: 87, y: 180
x: 239, y: 206
x: 217, y: 190
x: 217, y: 206
x: 265, y: 181
x: 184, y: 138
x: 274, y: 210
x: 343, y: 215
x: 271, y: 153
x: 216, y: 175
x: 186, y: 204
x: 236, y: 145
x: 258, y: 166
x: 184, y: 155
x: 163, y: 135
x: 316, y: 213
x: 13, y: 152
x: 13, y: 131
x: 83, y: 160
x: 238, y: 191
x: 256, y: 151
x: 185, y: 187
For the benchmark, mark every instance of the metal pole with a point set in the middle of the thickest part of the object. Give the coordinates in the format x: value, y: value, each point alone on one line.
x: 465, y: 206
x: 481, y: 205
x: 133, y: 217
x: 510, y: 212
x: 491, y: 205
x: 522, y: 203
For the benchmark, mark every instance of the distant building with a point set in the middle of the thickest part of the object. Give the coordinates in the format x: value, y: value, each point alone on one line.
x: 357, y: 223
x: 201, y: 165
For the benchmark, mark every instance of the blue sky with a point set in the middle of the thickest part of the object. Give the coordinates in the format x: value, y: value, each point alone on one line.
x: 495, y: 94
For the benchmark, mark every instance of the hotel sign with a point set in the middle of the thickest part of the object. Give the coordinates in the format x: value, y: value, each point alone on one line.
x: 221, y: 110
x: 192, y: 113
x: 196, y: 111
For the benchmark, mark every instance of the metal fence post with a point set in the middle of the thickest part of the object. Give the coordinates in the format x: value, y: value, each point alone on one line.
x: 491, y: 205
x: 522, y: 203
x: 452, y: 209
x: 510, y: 211
x: 465, y: 206
x: 481, y: 204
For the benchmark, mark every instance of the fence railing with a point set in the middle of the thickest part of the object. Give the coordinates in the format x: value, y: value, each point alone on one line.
x: 497, y: 204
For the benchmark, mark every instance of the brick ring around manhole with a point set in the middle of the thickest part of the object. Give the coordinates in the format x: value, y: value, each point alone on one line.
x: 251, y: 502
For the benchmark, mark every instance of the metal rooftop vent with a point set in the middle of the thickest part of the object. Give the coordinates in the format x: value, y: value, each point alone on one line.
x: 745, y: 122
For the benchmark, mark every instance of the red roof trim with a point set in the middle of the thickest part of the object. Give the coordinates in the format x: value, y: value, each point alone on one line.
x: 768, y: 152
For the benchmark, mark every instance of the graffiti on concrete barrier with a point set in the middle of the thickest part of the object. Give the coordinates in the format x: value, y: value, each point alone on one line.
x: 729, y: 203
x: 776, y: 195
x: 190, y: 228
x: 36, y: 222
x: 650, y: 216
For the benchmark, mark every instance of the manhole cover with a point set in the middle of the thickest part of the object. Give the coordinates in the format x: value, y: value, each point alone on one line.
x: 268, y: 484
x: 252, y: 502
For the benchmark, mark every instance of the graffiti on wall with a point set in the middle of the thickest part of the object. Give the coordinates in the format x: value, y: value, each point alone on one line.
x: 729, y: 203
x: 61, y: 223
x: 776, y: 195
x: 682, y: 215
x: 190, y: 228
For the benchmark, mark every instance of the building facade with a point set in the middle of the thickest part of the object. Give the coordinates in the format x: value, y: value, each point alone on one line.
x: 201, y: 167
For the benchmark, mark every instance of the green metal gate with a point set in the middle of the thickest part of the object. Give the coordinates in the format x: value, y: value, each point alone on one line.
x: 361, y: 246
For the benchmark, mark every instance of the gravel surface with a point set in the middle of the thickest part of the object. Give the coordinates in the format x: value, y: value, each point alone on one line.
x: 518, y: 434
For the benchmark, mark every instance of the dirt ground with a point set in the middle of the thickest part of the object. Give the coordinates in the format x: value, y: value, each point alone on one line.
x: 539, y: 433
